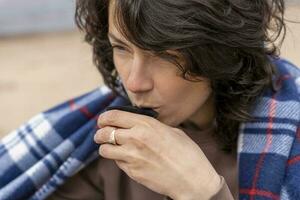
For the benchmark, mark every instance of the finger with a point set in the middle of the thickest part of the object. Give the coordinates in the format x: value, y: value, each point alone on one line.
x: 103, y: 135
x: 122, y: 165
x: 113, y: 152
x: 122, y: 119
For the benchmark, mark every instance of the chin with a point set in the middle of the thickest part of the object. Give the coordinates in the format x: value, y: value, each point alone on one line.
x: 173, y: 122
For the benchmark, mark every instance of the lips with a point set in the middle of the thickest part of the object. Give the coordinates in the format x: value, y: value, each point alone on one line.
x: 146, y: 106
x: 155, y: 108
x: 150, y: 107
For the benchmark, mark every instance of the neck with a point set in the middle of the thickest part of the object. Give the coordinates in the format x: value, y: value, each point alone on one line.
x: 201, y: 135
x: 194, y: 126
x: 204, y: 118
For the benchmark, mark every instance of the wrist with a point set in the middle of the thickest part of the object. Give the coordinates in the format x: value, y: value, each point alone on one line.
x: 197, y: 192
x: 215, y: 186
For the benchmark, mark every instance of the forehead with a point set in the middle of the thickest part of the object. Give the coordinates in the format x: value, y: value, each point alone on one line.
x: 112, y: 21
x: 114, y: 30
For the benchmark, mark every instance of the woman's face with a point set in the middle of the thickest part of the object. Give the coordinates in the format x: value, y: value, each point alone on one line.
x: 153, y: 82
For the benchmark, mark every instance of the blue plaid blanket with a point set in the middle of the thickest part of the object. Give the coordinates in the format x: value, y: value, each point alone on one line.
x: 54, y: 145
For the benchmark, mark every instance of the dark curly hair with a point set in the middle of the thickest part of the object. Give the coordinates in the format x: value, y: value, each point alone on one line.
x: 231, y: 42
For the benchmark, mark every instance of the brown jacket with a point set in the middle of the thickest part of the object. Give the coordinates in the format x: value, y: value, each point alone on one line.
x: 104, y: 180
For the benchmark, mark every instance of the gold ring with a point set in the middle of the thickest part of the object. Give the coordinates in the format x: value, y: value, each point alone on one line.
x: 112, y: 139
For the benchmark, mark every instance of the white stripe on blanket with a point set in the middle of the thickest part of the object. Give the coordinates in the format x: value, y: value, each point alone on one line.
x: 280, y: 144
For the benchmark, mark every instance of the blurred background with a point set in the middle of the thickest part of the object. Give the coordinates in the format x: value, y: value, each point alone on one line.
x: 44, y: 61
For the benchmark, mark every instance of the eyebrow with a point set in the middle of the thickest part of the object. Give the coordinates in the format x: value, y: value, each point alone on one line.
x: 112, y: 36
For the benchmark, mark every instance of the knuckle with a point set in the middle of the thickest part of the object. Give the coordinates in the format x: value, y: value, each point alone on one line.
x: 129, y: 172
x: 100, y: 135
x: 177, y: 130
x: 131, y: 138
x: 149, y: 123
x: 143, y: 136
x: 152, y: 121
x: 138, y: 139
x: 130, y: 158
x: 107, y: 117
x: 134, y: 175
x: 133, y: 157
x: 138, y: 147
x: 111, y: 116
x: 105, y: 132
x: 143, y: 139
x: 121, y: 165
x: 137, y: 175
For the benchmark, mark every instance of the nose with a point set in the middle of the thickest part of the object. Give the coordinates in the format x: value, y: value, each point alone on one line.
x: 140, y: 78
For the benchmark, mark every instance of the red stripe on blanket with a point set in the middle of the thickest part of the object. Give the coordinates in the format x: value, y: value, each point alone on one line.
x: 72, y: 104
x: 256, y: 192
x: 293, y: 160
x: 259, y: 164
x: 82, y: 109
x: 282, y: 78
x: 272, y: 112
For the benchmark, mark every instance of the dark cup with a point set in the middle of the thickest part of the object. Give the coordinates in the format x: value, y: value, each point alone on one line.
x: 134, y: 109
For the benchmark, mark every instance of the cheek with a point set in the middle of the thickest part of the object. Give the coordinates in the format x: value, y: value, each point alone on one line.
x: 180, y: 91
x: 122, y: 64
x: 182, y: 99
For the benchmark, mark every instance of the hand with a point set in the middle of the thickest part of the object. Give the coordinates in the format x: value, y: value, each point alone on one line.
x: 158, y: 156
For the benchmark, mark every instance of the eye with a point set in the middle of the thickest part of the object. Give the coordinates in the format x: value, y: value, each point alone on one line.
x: 119, y: 48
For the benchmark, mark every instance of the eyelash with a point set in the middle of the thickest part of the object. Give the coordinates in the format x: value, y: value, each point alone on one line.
x: 119, y: 48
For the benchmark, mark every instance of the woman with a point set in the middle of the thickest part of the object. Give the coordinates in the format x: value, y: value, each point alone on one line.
x: 204, y: 66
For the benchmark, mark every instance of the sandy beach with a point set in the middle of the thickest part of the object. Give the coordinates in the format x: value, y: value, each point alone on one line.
x: 40, y: 71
